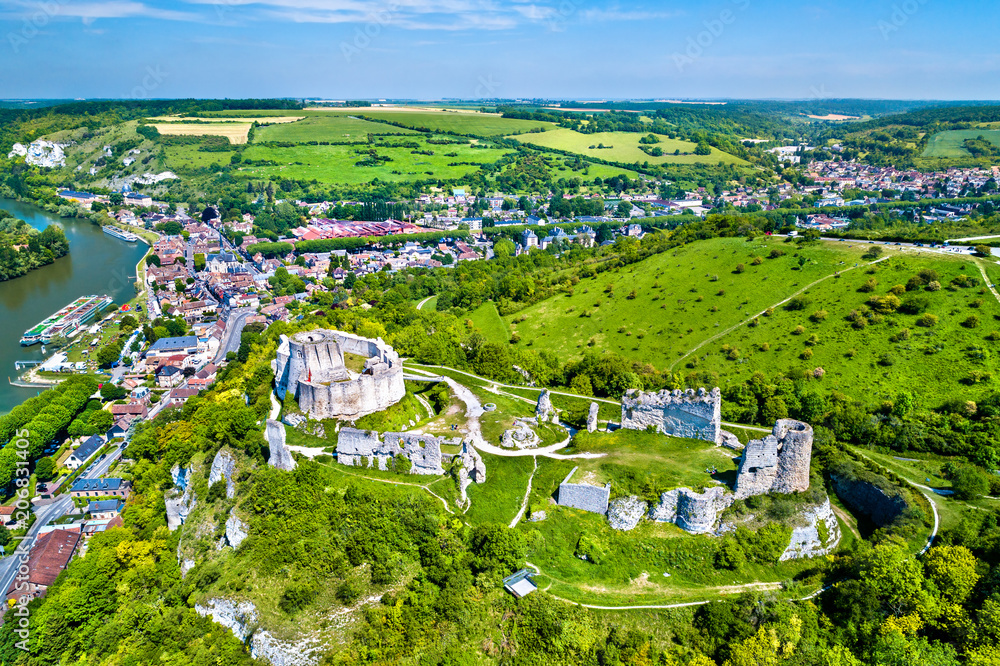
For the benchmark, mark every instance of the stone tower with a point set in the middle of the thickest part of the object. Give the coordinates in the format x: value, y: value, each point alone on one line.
x: 778, y: 463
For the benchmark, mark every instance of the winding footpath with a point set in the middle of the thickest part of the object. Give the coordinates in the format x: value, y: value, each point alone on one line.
x: 527, y: 496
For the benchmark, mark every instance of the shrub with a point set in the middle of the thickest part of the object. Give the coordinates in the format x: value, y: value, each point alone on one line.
x: 898, y: 290
x: 971, y: 322
x: 740, y: 268
x: 348, y: 592
x: 993, y: 336
x: 818, y: 316
x: 768, y: 312
x: 806, y: 354
x: 813, y: 340
x: 775, y: 253
x: 914, y: 306
x: 818, y: 373
x: 886, y: 360
x: 591, y: 549
x: 868, y: 286
x: 969, y: 482
x: 756, y: 261
x: 798, y: 303
x: 901, y: 336
x: 977, y: 303
x: 934, y: 285
x: 799, y: 330
x: 216, y: 491
x: 927, y: 321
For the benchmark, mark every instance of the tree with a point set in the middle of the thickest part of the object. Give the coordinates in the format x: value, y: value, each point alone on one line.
x: 45, y: 469
x: 109, y: 353
x: 984, y: 250
x: 624, y: 209
x: 128, y: 324
x: 969, y: 482
x: 153, y: 260
x: 497, y: 548
x: 111, y: 392
x: 116, y: 198
x: 504, y: 248
x: 953, y: 570
x: 101, y: 421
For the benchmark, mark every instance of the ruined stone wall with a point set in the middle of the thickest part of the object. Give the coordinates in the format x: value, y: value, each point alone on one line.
x: 311, y: 367
x: 355, y: 447
x: 690, y: 414
x: 584, y: 496
x: 777, y: 463
x: 691, y: 511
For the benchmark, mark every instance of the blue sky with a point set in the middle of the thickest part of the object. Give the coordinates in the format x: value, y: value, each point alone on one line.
x: 431, y: 49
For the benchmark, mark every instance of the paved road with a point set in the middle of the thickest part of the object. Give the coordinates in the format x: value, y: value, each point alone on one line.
x: 45, y: 514
x: 234, y: 327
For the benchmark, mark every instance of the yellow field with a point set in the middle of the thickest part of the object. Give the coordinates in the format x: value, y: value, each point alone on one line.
x: 237, y: 133
x: 270, y: 120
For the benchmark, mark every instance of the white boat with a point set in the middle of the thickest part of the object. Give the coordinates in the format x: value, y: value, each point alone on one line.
x: 120, y: 234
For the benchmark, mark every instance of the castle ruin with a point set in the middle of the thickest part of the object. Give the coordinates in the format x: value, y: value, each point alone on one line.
x: 310, y: 366
x: 691, y: 511
x: 689, y: 414
x: 583, y: 495
x: 360, y: 448
x: 779, y: 463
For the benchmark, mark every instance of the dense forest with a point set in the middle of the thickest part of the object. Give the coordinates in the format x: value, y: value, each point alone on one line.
x: 23, y: 248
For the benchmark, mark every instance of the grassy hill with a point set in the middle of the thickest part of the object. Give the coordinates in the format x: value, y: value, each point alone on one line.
x: 693, y: 312
x: 950, y: 144
x: 332, y: 128
x: 624, y: 147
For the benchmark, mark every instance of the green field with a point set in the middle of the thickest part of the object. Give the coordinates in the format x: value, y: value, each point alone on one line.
x: 331, y: 128
x: 624, y: 147
x: 336, y: 164
x: 487, y: 320
x: 689, y: 311
x: 880, y: 359
x: 950, y: 143
x: 455, y: 122
x: 677, y: 303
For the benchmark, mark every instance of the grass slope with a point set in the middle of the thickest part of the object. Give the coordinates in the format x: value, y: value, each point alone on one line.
x: 487, y: 320
x: 666, y: 319
x: 949, y: 144
x: 625, y: 147
x: 876, y: 361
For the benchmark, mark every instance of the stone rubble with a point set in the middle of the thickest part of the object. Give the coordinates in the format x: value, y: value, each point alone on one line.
x: 625, y: 513
x: 521, y: 436
x: 241, y: 618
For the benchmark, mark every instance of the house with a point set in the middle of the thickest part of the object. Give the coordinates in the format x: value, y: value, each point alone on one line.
x: 123, y: 428
x: 7, y: 514
x: 82, y: 198
x: 136, y: 199
x: 170, y: 346
x: 168, y: 376
x: 101, y: 488
x: 50, y: 554
x: 178, y: 396
x: 529, y: 239
x: 135, y: 409
x: 84, y: 452
x: 105, y: 509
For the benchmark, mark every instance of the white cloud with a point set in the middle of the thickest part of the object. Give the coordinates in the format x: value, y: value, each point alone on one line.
x: 90, y: 11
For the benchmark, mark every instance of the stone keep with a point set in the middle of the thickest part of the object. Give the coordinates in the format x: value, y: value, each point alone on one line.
x: 584, y: 496
x: 778, y: 463
x: 354, y: 447
x: 690, y: 414
x: 310, y: 366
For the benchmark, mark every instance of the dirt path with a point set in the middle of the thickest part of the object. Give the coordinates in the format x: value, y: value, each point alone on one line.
x: 527, y: 496
x: 989, y: 285
x: 424, y: 302
x: 275, y: 407
x: 846, y: 517
x: 776, y: 305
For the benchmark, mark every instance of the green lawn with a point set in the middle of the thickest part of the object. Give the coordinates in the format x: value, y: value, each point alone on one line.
x: 499, y: 499
x: 645, y: 464
x: 624, y: 147
x: 677, y: 303
x: 950, y: 143
x: 338, y: 163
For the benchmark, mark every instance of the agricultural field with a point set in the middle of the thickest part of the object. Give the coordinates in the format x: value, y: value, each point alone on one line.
x: 237, y: 133
x: 337, y: 164
x: 950, y: 144
x: 185, y: 159
x: 624, y: 147
x: 272, y: 120
x: 333, y: 129
x: 454, y: 122
x: 676, y: 304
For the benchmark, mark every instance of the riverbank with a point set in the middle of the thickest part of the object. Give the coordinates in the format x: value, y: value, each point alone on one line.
x: 97, y: 264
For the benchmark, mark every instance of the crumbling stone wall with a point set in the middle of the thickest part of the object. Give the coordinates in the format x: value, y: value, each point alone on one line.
x: 281, y: 457
x: 778, y: 463
x: 690, y: 414
x: 311, y: 367
x: 584, y: 496
x: 358, y: 447
x: 691, y: 511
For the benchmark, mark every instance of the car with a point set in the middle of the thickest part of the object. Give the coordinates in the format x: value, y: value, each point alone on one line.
x: 898, y: 243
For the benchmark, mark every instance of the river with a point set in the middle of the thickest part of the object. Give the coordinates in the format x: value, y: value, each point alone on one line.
x: 96, y: 264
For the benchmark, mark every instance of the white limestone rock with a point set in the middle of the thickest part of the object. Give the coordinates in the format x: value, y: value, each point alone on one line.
x: 625, y: 513
x: 236, y: 531
x: 544, y: 410
x: 806, y: 540
x: 281, y: 457
x: 521, y: 436
x: 592, y: 417
x: 241, y: 618
x: 224, y: 467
